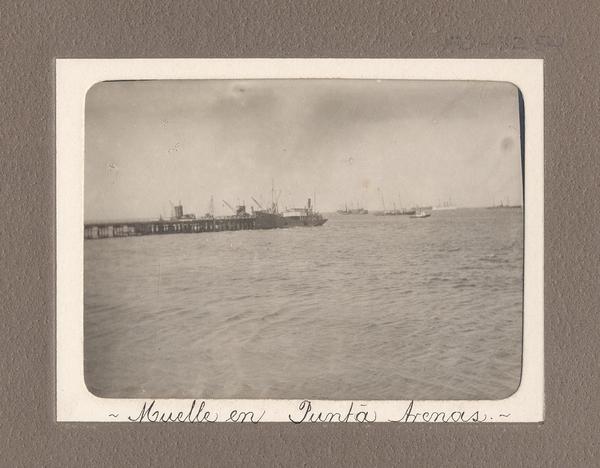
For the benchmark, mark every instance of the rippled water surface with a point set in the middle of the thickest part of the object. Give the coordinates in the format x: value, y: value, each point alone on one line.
x: 364, y: 307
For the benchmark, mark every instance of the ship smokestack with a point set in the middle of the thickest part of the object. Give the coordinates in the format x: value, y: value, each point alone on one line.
x: 309, y: 203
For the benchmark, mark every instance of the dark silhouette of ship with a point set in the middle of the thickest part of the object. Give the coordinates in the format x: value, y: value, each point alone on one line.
x: 292, y: 217
x: 352, y: 211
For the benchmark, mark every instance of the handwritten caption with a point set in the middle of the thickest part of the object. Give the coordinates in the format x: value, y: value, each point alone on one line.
x: 305, y: 412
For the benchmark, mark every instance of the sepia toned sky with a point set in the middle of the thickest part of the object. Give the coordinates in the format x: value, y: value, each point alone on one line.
x: 354, y: 142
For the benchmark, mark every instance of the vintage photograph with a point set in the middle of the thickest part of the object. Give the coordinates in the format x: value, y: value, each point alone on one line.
x: 329, y: 239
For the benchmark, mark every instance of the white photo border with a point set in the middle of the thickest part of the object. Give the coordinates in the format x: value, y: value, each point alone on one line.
x: 74, y: 402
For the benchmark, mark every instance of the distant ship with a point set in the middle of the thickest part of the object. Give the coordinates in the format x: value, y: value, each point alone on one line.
x: 503, y: 206
x: 395, y: 211
x: 497, y: 207
x: 447, y: 205
x: 353, y: 211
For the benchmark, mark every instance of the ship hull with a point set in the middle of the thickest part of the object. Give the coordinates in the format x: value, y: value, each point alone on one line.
x: 265, y: 220
x: 359, y: 211
x: 303, y: 221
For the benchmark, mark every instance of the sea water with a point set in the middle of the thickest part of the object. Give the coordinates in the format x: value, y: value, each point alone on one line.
x: 364, y: 307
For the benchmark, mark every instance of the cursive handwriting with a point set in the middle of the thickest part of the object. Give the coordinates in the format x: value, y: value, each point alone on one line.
x: 438, y: 416
x: 194, y: 415
x: 306, y: 414
x: 243, y: 416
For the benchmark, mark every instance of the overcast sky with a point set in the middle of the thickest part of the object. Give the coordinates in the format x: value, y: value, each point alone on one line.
x: 348, y: 141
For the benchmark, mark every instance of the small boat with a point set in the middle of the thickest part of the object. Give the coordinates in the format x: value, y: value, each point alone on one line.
x: 421, y: 214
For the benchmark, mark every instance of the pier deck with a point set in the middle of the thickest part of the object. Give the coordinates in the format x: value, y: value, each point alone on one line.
x: 144, y: 228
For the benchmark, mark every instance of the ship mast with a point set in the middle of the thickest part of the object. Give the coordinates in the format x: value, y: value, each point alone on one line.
x: 273, y: 195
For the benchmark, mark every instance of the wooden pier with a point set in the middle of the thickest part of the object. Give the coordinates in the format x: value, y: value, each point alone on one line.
x: 177, y: 226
